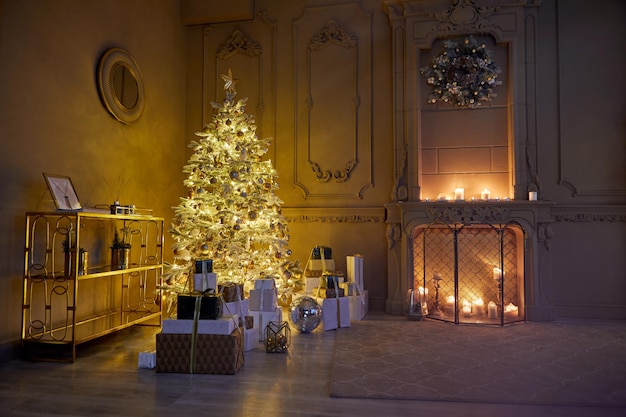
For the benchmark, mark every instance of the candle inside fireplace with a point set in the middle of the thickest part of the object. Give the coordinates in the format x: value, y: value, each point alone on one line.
x: 492, y: 310
x: 467, y: 308
x: 485, y: 194
x: 478, y: 307
x: 449, y: 308
x: 459, y: 194
x: 511, y: 310
x: 497, y: 274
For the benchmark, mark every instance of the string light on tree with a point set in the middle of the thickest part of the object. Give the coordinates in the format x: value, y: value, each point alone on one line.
x: 231, y: 214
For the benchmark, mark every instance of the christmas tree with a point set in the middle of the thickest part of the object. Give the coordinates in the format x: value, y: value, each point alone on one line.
x: 231, y: 214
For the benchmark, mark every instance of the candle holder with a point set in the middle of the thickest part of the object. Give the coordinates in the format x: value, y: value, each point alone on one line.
x: 438, y: 312
x: 415, y: 306
x: 277, y: 337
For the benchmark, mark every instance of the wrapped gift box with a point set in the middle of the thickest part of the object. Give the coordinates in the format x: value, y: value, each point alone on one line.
x: 311, y: 284
x: 263, y: 300
x: 334, y: 293
x: 203, y: 265
x: 231, y: 291
x: 214, y: 353
x: 354, y: 269
x: 359, y: 305
x: 147, y: 360
x: 224, y: 325
x: 205, y: 281
x: 321, y: 252
x: 321, y: 265
x: 261, y: 318
x: 237, y: 307
x: 250, y: 339
x: 210, y: 306
x: 335, y: 312
x: 350, y: 288
x: 264, y: 284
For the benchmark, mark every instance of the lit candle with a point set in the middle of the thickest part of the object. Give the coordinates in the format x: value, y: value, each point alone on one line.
x: 498, y: 274
x: 511, y: 310
x: 449, y: 309
x: 478, y: 307
x: 459, y: 194
x: 532, y: 195
x: 467, y: 308
x: 492, y: 310
x: 442, y: 197
x: 485, y: 194
x: 423, y: 294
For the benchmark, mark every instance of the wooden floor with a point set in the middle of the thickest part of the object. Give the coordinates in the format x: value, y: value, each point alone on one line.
x: 105, y: 381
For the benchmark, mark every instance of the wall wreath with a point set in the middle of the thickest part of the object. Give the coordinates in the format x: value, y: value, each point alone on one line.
x: 463, y: 74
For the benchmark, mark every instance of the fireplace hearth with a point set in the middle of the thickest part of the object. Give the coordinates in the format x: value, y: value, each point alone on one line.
x: 461, y: 202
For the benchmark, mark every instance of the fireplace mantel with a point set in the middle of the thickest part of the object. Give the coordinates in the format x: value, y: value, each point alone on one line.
x: 533, y: 216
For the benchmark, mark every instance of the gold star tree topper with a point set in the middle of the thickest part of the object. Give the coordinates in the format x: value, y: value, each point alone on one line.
x: 229, y: 82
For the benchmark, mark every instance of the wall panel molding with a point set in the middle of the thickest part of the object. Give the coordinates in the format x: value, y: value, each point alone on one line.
x: 332, y: 102
x: 248, y: 49
x: 591, y: 133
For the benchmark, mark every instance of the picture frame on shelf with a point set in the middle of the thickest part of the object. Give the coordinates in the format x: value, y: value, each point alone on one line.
x: 62, y: 191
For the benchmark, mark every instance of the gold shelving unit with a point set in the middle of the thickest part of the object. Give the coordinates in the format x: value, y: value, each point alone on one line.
x: 72, y: 291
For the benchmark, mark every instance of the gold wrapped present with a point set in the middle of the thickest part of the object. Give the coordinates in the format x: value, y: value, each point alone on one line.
x: 211, y: 354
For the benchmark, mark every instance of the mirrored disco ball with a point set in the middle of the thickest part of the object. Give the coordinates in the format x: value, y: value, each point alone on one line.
x: 305, y: 314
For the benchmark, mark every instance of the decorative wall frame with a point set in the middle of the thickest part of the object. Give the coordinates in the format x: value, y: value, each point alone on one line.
x: 120, y: 84
x: 62, y: 191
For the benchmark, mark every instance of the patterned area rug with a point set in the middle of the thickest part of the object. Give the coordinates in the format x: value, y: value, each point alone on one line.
x: 531, y: 363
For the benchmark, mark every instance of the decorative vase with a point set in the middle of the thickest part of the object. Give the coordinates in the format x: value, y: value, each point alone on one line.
x: 120, y: 258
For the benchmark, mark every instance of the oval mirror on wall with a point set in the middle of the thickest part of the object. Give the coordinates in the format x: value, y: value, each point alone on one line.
x: 121, y: 85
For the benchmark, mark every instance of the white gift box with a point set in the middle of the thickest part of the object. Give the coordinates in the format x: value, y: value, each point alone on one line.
x: 237, y: 307
x: 321, y: 265
x: 335, y: 312
x: 147, y: 360
x: 224, y: 325
x: 311, y: 284
x: 354, y: 269
x: 250, y: 339
x: 264, y: 284
x: 204, y: 281
x: 359, y: 305
x: 261, y: 318
x: 263, y: 300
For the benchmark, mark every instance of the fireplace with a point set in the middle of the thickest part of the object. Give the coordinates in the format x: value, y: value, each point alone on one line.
x: 464, y: 174
x: 470, y: 273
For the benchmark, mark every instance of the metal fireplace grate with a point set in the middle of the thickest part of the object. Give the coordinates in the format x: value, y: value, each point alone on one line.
x: 469, y: 273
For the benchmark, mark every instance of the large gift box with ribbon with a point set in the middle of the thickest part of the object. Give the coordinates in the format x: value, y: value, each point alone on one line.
x: 263, y: 300
x: 207, y: 304
x: 335, y: 312
x: 224, y: 325
x: 199, y: 353
x: 262, y: 318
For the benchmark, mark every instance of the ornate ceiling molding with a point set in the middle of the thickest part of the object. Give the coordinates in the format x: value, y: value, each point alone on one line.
x: 239, y: 43
x: 464, y: 16
x: 332, y: 33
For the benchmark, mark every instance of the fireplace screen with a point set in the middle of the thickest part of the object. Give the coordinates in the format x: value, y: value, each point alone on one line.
x: 468, y: 273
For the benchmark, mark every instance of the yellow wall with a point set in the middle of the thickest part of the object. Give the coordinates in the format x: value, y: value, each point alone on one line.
x: 52, y: 119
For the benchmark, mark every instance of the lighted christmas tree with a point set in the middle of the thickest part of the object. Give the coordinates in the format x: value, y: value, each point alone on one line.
x: 231, y: 214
